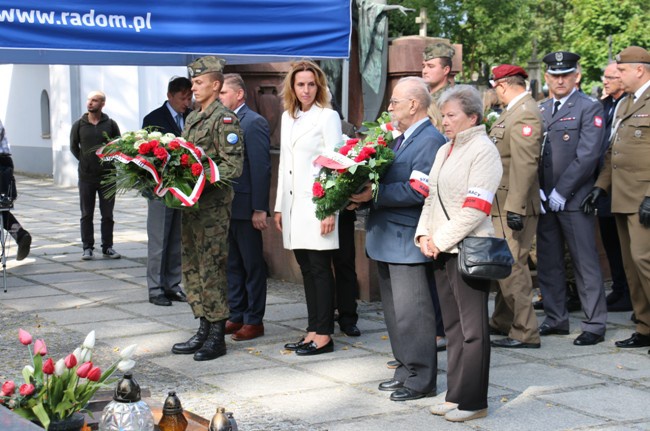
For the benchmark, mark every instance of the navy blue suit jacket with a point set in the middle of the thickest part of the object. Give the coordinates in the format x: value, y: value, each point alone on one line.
x: 393, y: 218
x: 252, y: 187
x: 163, y: 121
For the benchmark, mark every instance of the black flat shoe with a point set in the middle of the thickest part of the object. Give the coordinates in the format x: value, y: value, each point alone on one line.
x: 295, y: 346
x: 514, y: 344
x: 545, y: 329
x: 176, y: 296
x: 390, y: 385
x: 351, y: 330
x: 160, y: 300
x: 588, y: 339
x: 407, y: 394
x: 311, y: 349
x: 636, y: 340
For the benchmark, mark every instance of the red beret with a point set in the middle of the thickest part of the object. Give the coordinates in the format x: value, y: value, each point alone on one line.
x: 506, y: 70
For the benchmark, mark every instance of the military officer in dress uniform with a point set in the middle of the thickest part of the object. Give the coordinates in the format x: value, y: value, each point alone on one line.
x: 626, y: 176
x: 517, y: 134
x: 204, y: 234
x: 573, y: 125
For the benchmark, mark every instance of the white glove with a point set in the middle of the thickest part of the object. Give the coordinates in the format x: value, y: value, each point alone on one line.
x: 542, y: 196
x: 556, y: 201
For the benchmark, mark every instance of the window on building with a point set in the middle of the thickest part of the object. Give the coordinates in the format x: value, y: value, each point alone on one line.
x: 45, y: 115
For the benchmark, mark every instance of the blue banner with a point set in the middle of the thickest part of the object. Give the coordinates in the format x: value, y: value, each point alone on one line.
x: 130, y: 32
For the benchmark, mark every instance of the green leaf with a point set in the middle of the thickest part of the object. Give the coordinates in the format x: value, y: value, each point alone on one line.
x: 41, y: 414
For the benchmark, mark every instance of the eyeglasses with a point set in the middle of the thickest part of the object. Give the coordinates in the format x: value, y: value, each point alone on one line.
x: 609, y: 78
x: 396, y: 101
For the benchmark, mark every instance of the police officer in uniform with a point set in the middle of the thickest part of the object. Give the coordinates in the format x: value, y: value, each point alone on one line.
x: 626, y: 176
x: 573, y: 125
x: 205, y: 231
x: 517, y: 134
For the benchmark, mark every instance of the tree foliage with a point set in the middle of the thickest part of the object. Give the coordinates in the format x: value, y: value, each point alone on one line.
x: 505, y: 31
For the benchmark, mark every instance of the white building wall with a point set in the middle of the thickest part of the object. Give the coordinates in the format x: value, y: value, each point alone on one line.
x: 131, y: 93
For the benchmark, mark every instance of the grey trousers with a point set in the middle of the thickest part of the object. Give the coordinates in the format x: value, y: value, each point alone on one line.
x: 163, y: 249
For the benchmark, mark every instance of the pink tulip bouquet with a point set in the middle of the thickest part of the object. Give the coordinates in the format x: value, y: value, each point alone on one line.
x: 57, y: 390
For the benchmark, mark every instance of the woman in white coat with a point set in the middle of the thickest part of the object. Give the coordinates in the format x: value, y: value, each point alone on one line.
x: 309, y: 128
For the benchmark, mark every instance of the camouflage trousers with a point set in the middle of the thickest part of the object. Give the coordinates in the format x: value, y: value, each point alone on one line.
x: 205, y: 255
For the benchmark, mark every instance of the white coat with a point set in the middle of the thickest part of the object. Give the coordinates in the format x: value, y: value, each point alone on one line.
x: 302, y: 140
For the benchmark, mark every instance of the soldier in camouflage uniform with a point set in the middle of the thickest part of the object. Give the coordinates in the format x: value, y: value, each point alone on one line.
x: 205, y: 231
x: 436, y: 67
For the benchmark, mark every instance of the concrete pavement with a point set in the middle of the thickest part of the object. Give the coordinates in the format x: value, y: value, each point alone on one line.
x: 58, y: 297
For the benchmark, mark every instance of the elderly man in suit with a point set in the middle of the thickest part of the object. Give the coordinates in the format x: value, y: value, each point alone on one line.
x: 393, y: 217
x: 250, y: 208
x: 163, y: 223
x: 517, y: 134
x: 574, y: 126
x: 626, y: 176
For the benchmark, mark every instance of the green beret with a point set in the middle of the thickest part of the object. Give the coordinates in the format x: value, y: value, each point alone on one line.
x: 206, y: 64
x: 437, y: 50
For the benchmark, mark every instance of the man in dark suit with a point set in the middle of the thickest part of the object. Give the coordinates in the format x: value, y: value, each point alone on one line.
x: 573, y: 126
x: 393, y: 218
x: 163, y: 223
x: 619, y: 298
x: 250, y: 208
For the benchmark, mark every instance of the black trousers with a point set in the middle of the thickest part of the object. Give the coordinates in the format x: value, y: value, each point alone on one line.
x: 612, y: 246
x: 316, y: 269
x: 347, y: 288
x: 8, y: 188
x: 87, y: 192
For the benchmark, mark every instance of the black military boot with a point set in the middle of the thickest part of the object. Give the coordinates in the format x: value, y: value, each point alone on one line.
x: 215, y: 345
x: 197, y: 340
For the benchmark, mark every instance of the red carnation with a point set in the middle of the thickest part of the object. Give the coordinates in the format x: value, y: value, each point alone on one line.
x: 174, y: 145
x: 352, y: 142
x: 144, y: 148
x: 197, y: 168
x: 346, y: 149
x: 154, y: 144
x: 381, y: 141
x: 160, y: 153
x: 185, y: 160
x: 8, y: 388
x: 317, y: 190
x: 365, y: 154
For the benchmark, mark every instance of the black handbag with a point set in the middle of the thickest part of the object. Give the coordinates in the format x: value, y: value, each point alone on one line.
x: 483, y: 258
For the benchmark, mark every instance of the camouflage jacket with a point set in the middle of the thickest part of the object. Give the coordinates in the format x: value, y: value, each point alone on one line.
x: 217, y: 131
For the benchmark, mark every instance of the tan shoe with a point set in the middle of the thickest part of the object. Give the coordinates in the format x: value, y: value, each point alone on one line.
x: 465, y: 415
x: 442, y: 408
x: 232, y: 327
x: 248, y: 332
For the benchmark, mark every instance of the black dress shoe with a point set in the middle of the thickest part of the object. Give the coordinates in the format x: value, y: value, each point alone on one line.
x: 177, y: 296
x: 160, y: 300
x: 407, y: 394
x: 351, y: 330
x: 312, y: 348
x: 514, y: 344
x: 295, y: 346
x: 393, y: 364
x: 545, y: 329
x: 538, y: 305
x: 588, y: 339
x: 390, y: 385
x: 636, y: 340
x: 613, y: 297
x: 496, y: 331
x: 633, y: 318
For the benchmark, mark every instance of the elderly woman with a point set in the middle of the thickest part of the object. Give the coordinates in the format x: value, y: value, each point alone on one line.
x: 462, y: 184
x: 309, y: 128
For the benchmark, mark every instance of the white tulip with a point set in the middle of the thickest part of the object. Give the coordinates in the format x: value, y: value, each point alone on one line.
x: 86, y: 355
x: 89, y: 342
x: 125, y: 365
x: 59, y: 367
x: 77, y: 354
x: 29, y: 369
x: 128, y: 351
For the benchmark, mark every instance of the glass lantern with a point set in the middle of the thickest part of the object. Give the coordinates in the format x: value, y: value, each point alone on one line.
x: 127, y: 412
